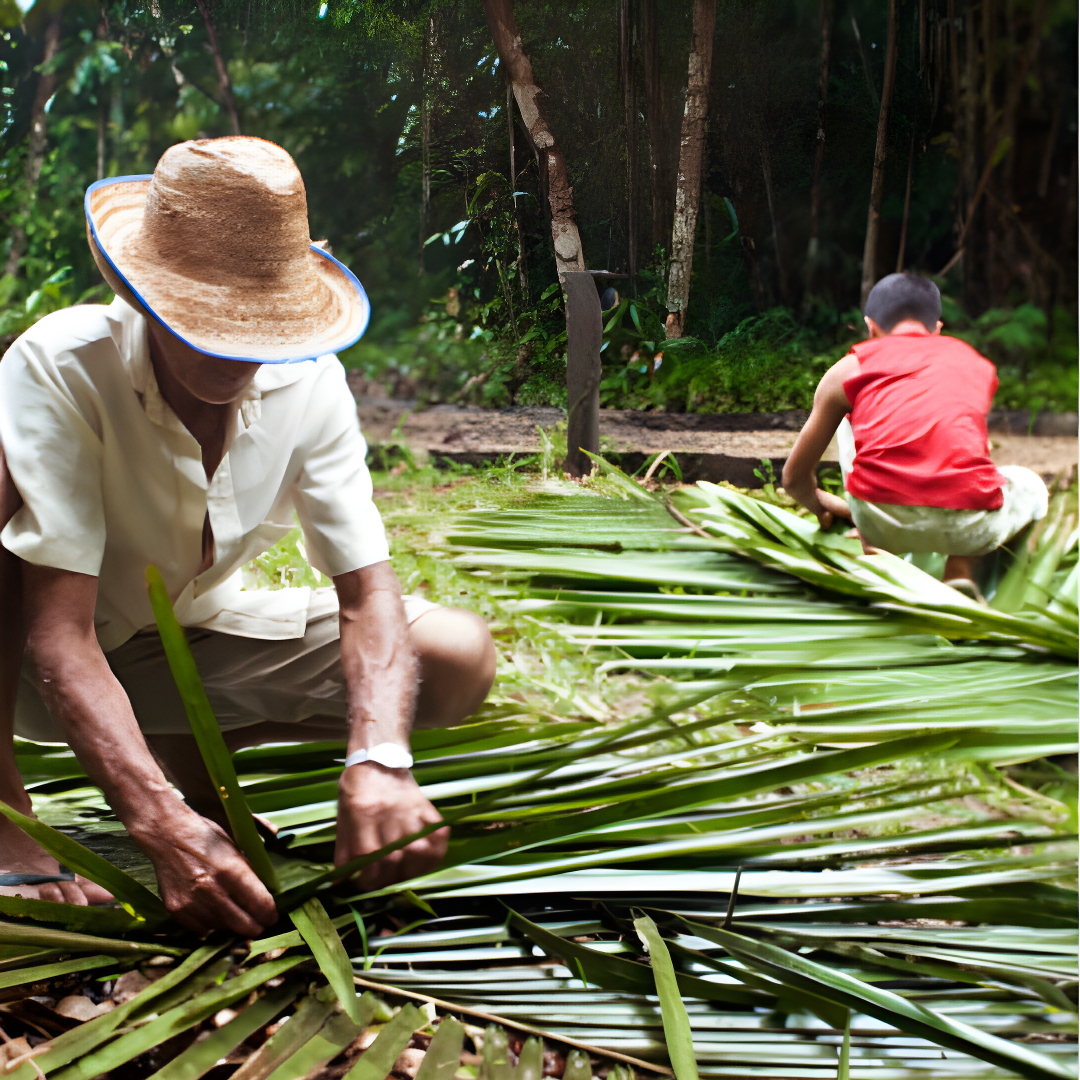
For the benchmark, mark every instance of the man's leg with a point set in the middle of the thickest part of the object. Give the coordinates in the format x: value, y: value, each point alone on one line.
x: 18, y: 853
x: 457, y: 668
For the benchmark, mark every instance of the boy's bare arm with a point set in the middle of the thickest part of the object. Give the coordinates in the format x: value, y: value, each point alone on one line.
x: 204, y: 881
x: 831, y: 405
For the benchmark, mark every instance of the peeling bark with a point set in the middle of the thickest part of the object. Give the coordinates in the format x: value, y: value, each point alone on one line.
x: 691, y: 157
x: 549, y: 158
x: 224, y: 82
x: 877, y: 181
x: 35, y: 149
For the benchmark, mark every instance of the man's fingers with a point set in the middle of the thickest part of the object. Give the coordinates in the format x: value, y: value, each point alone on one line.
x: 825, y: 520
x: 73, y: 893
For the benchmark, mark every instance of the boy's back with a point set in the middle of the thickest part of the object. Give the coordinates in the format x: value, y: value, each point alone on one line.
x: 918, y: 412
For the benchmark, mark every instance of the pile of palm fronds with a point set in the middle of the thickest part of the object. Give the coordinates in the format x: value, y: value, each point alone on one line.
x: 746, y: 803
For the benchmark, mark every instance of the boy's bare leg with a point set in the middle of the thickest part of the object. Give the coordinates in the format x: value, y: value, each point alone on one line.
x: 959, y: 568
x: 18, y: 853
x: 457, y: 668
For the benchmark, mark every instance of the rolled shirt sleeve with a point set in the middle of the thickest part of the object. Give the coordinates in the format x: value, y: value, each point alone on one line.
x: 54, y: 454
x: 343, y: 529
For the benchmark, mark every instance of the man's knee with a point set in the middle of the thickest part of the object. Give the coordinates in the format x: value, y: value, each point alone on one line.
x: 457, y: 663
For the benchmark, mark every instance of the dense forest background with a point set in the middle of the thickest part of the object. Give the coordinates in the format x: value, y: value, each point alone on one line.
x: 399, y: 117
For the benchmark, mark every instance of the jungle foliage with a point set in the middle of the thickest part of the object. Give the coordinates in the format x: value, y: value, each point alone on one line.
x: 372, y: 95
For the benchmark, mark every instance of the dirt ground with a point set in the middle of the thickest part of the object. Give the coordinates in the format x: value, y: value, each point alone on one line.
x: 709, y: 446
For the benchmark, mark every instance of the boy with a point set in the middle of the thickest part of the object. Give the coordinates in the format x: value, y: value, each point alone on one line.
x: 909, y: 408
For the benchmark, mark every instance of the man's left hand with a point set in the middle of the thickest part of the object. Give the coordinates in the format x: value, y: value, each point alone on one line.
x: 377, y: 806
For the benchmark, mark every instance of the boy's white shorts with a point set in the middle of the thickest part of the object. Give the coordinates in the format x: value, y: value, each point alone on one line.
x: 915, y: 529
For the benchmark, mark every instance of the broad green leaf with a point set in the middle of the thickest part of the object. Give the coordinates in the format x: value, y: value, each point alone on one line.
x: 324, y: 941
x: 27, y: 975
x: 177, y: 1020
x: 378, y: 1059
x: 92, y: 866
x: 304, y: 1023
x: 23, y: 934
x: 444, y: 1051
x: 75, y: 917
x: 202, y: 1056
x: 338, y: 1031
x: 842, y: 1068
x: 677, y: 1033
x: 84, y: 1038
x: 207, y: 733
x: 799, y: 972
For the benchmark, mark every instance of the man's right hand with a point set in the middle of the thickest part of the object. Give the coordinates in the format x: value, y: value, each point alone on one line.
x: 205, y: 882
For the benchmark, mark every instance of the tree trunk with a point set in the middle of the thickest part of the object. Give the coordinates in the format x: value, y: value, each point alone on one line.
x: 224, y: 82
x: 871, y: 88
x: 770, y: 195
x: 954, y: 60
x: 971, y: 217
x: 825, y: 15
x: 907, y: 206
x: 35, y: 149
x: 626, y: 64
x: 691, y: 157
x: 523, y: 270
x: 661, y: 145
x: 877, y: 181
x: 425, y: 140
x: 549, y: 158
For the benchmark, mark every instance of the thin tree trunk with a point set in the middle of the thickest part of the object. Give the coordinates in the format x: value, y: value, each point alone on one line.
x: 1048, y: 152
x: 523, y: 270
x: 425, y: 139
x: 973, y: 267
x: 922, y: 38
x: 907, y: 206
x: 866, y: 66
x: 224, y: 82
x: 35, y: 149
x: 549, y: 158
x: 825, y: 15
x: 657, y: 113
x: 626, y: 58
x: 877, y: 182
x: 954, y: 60
x: 753, y: 272
x: 691, y: 157
x: 770, y: 195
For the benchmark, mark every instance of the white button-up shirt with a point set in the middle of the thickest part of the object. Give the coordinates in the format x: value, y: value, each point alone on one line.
x: 112, y: 481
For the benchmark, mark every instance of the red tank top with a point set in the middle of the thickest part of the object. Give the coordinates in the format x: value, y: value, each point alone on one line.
x: 918, y: 411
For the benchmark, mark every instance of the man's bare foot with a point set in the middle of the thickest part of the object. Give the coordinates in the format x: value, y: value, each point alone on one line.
x: 20, y: 855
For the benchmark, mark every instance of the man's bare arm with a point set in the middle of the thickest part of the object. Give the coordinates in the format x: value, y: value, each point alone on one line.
x: 204, y: 881
x: 831, y: 405
x: 376, y: 805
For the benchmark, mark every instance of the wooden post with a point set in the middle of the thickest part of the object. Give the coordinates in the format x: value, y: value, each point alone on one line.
x: 584, y: 331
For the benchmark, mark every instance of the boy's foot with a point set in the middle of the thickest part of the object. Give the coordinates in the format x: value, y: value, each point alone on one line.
x: 20, y: 855
x: 968, y: 588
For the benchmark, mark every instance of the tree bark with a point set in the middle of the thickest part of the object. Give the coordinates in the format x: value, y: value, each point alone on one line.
x: 825, y: 15
x: 770, y: 195
x: 35, y: 149
x: 877, y: 181
x: 549, y: 158
x: 224, y: 82
x: 691, y: 157
x: 425, y: 140
x: 626, y: 64
x: 662, y: 162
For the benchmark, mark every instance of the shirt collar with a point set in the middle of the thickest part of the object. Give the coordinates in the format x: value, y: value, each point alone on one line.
x: 133, y: 342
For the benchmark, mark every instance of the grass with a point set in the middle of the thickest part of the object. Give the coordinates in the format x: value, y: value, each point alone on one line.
x: 830, y: 793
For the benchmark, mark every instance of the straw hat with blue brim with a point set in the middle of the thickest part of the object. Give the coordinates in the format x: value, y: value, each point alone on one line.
x: 215, y: 247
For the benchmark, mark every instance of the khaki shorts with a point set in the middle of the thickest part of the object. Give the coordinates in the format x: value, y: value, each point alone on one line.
x: 921, y: 529
x: 248, y: 680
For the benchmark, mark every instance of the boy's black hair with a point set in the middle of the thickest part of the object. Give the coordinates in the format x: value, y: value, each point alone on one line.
x: 904, y: 296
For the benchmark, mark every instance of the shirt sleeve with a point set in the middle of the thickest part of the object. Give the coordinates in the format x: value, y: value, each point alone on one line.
x: 343, y: 529
x: 54, y: 453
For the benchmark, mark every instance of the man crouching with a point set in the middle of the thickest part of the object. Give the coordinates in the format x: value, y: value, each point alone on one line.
x: 177, y: 427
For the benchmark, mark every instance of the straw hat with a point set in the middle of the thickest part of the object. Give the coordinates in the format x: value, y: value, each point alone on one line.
x: 215, y: 246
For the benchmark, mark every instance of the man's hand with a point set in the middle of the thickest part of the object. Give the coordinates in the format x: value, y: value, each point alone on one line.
x: 829, y: 508
x: 205, y: 882
x: 377, y: 806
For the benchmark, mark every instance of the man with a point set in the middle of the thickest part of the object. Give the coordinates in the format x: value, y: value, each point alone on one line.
x: 177, y: 427
x: 915, y: 454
